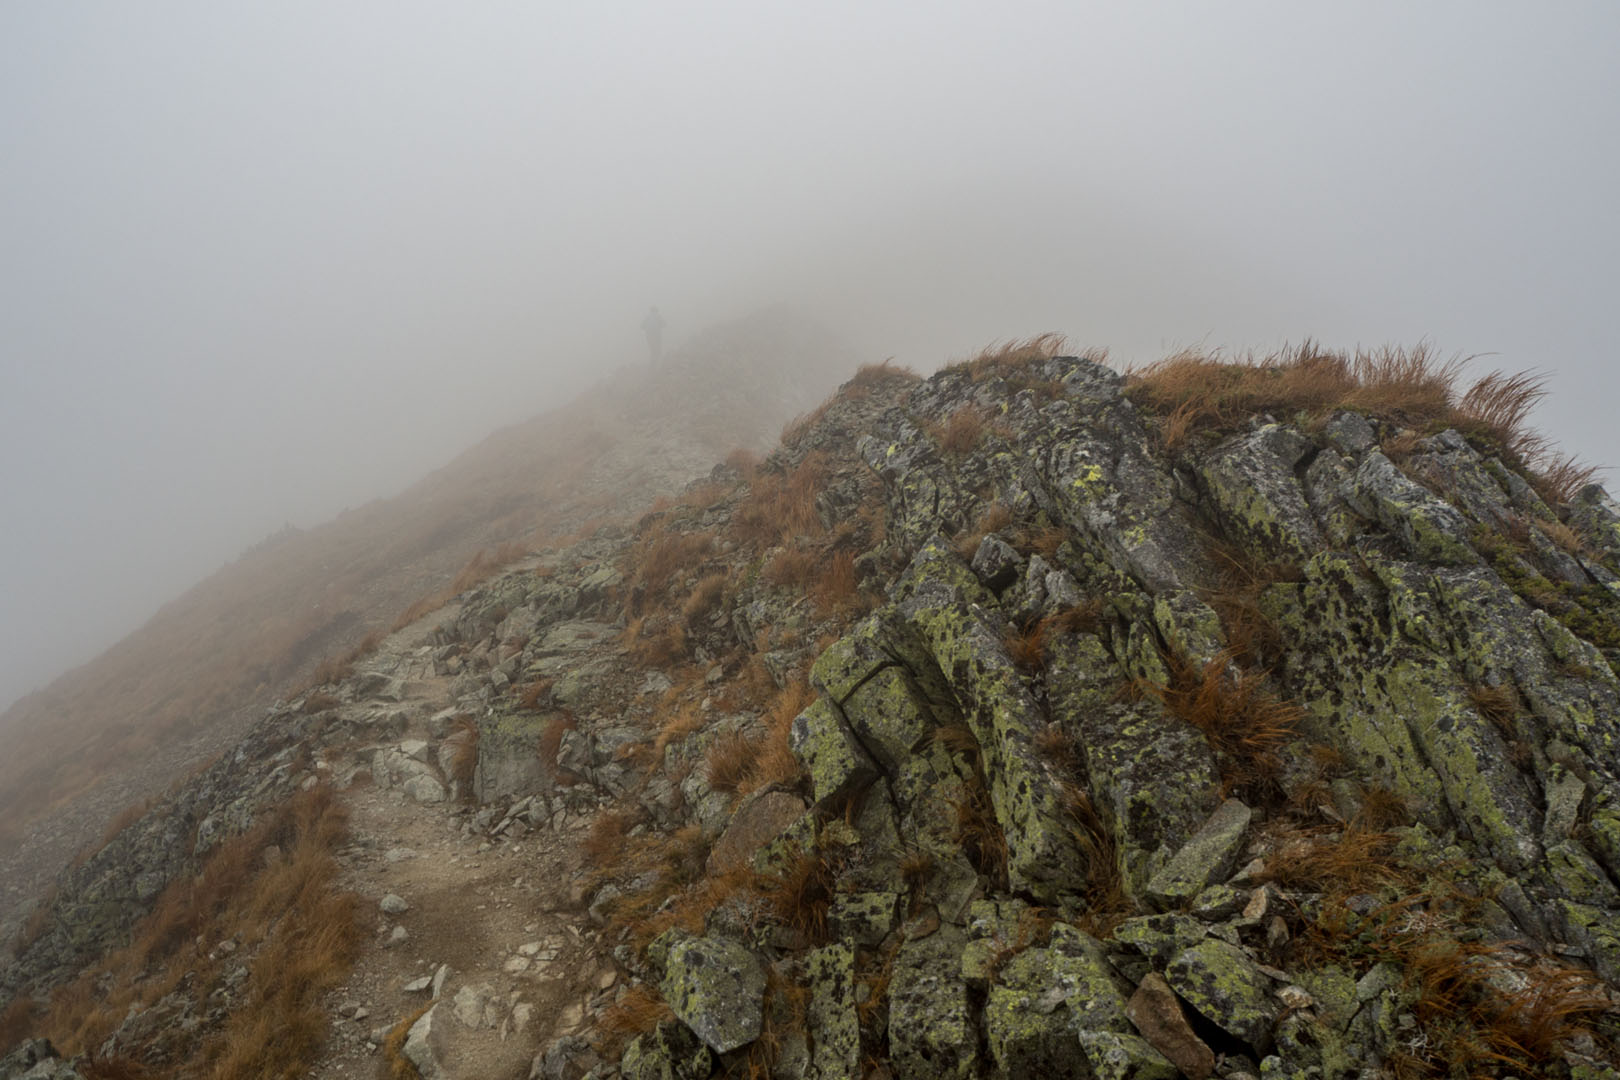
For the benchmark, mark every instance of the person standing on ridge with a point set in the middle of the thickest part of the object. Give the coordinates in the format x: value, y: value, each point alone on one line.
x: 653, y: 327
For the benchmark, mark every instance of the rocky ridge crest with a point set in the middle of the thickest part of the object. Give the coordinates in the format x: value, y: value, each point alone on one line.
x: 974, y: 732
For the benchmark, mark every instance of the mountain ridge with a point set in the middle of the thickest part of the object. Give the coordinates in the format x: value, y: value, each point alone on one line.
x: 1026, y: 720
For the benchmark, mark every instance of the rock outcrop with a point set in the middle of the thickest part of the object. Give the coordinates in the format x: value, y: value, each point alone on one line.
x: 975, y: 732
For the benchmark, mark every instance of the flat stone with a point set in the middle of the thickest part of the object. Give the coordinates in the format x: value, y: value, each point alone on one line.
x: 1157, y: 1014
x: 1208, y: 855
x: 394, y: 904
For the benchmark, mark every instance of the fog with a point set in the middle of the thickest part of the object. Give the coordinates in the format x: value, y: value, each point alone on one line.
x: 262, y: 262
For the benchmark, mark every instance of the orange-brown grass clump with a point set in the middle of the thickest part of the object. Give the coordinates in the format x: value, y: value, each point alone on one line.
x: 705, y: 597
x: 395, y: 1065
x: 868, y: 376
x: 18, y: 1020
x: 640, y: 1010
x: 659, y: 644
x: 1196, y: 392
x: 729, y: 760
x: 676, y: 723
x: 961, y: 432
x: 800, y: 896
x: 1011, y: 359
x: 319, y: 701
x: 835, y: 584
x: 1246, y: 725
x: 1241, y: 582
x: 464, y: 760
x: 533, y: 694
x: 281, y: 909
x: 1027, y: 645
x: 977, y: 829
x: 792, y: 568
x: 995, y: 519
x: 781, y: 506
x: 1470, y: 1020
x: 606, y: 836
x: 744, y: 461
x: 1498, y: 704
x: 662, y: 559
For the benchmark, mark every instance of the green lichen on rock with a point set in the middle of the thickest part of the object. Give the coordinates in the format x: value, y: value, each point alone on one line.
x: 1044, y: 999
x: 670, y: 1052
x: 1209, y: 855
x: 836, y: 1050
x: 1224, y: 984
x: 717, y: 988
x: 838, y: 766
x: 932, y: 1030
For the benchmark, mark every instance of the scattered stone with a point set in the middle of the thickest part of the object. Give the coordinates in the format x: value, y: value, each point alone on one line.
x: 393, y: 904
x: 477, y: 1007
x: 1157, y: 1014
x: 424, y: 1044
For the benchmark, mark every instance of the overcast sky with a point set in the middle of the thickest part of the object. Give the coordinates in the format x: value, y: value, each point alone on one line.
x: 259, y: 262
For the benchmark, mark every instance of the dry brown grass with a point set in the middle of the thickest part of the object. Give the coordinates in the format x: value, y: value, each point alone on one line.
x: 640, y: 1010
x: 1195, y: 392
x: 663, y: 558
x: 1242, y: 577
x: 655, y: 641
x: 705, y: 597
x: 675, y: 723
x: 606, y: 836
x: 995, y: 519
x: 319, y: 701
x: 1469, y: 1019
x: 977, y: 829
x: 464, y: 761
x: 874, y: 375
x: 835, y: 587
x: 1246, y: 725
x: 1498, y: 704
x: 781, y: 507
x: 792, y: 568
x: 1011, y: 359
x: 18, y: 1020
x: 1027, y: 645
x: 534, y: 694
x: 272, y: 890
x: 729, y: 760
x: 394, y: 1064
x: 800, y: 896
x: 960, y: 433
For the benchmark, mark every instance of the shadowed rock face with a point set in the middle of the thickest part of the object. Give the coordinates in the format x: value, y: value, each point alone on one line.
x: 1053, y: 836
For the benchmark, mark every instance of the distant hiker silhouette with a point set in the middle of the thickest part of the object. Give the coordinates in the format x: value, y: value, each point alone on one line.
x: 653, y: 327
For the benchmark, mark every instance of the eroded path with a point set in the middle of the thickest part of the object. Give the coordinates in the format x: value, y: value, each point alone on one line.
x: 486, y: 931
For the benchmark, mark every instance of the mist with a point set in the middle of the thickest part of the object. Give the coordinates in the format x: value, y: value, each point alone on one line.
x: 263, y: 263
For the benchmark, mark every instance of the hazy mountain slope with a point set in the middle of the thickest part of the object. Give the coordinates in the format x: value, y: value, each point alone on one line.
x: 1026, y: 720
x: 182, y: 686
